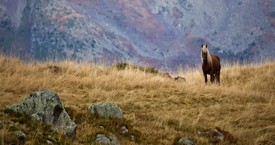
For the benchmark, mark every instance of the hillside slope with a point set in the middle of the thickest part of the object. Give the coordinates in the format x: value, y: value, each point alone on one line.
x: 159, y: 108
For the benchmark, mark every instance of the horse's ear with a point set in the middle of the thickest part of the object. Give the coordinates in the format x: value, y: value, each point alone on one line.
x: 206, y: 46
x: 202, y: 46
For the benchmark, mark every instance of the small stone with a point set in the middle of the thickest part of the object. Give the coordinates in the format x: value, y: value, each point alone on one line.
x: 51, y: 139
x: 49, y: 142
x: 101, y: 127
x: 132, y: 137
x: 101, y: 138
x: 21, y: 135
x: 185, y: 141
x: 113, y: 138
x: 123, y: 130
x: 110, y: 140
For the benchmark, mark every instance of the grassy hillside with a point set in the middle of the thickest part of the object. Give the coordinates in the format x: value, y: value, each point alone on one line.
x: 158, y: 108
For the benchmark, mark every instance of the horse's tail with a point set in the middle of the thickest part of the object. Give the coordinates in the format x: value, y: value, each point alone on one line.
x: 219, y: 62
x: 218, y: 58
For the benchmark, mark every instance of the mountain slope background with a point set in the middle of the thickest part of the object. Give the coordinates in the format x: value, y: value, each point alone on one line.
x: 161, y: 33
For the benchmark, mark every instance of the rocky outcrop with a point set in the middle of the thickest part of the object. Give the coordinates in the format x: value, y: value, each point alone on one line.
x: 46, y: 106
x: 108, y: 110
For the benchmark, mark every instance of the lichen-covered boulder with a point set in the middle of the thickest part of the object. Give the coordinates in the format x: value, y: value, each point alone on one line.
x: 108, y: 110
x: 46, y: 106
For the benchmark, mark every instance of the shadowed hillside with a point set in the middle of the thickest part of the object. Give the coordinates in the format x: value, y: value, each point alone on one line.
x: 158, y: 108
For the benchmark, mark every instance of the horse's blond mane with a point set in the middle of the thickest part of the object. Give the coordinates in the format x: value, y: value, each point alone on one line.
x: 204, y: 49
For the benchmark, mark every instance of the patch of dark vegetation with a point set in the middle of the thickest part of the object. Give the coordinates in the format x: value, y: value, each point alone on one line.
x: 173, y: 123
x: 10, y: 138
x: 176, y: 140
x: 55, y: 69
x: 76, y: 116
x: 37, y: 132
x: 123, y: 66
x: 130, y: 107
x: 227, y: 136
x: 114, y: 126
x: 17, y: 117
x: 217, y: 136
x: 101, y: 125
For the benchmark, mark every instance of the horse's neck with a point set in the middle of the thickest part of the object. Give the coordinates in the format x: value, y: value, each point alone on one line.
x: 209, y: 60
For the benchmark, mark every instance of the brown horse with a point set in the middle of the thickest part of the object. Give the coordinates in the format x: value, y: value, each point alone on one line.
x: 210, y: 65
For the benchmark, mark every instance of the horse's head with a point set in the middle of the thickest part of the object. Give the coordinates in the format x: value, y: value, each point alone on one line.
x: 204, y: 52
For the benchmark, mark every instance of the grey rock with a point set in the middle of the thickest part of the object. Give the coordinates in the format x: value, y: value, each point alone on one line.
x: 114, y: 140
x: 110, y: 140
x: 101, y: 138
x: 46, y: 106
x: 101, y: 127
x: 108, y: 110
x: 185, y: 141
x: 132, y: 137
x: 123, y: 130
x: 21, y: 135
x: 49, y: 142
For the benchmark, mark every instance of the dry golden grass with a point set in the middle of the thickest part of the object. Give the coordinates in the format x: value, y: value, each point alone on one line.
x: 159, y: 108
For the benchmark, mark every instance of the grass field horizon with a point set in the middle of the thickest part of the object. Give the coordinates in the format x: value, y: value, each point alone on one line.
x: 159, y: 108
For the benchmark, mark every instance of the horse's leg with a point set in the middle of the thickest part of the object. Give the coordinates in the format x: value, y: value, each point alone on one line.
x: 205, y: 77
x: 215, y: 78
x: 212, y: 77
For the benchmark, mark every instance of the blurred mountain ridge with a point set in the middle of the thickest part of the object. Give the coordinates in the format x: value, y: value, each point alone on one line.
x: 161, y: 33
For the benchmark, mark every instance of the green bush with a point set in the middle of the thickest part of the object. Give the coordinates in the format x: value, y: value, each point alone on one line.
x: 123, y: 66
